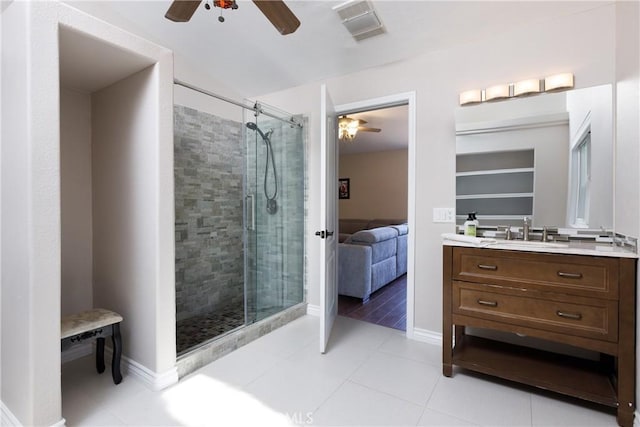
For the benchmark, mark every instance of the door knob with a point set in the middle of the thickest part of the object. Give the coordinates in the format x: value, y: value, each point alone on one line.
x: 324, y: 233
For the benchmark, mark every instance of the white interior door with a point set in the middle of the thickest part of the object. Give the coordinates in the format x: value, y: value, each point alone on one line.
x: 328, y: 218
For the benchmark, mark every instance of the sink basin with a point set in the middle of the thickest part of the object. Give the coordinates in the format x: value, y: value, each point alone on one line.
x: 533, y: 244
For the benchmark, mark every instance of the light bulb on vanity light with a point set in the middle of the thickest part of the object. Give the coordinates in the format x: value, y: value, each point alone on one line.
x: 526, y: 87
x: 471, y: 97
x: 496, y: 92
x: 558, y: 82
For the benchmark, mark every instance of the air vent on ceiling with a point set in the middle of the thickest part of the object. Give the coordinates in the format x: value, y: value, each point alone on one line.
x: 359, y: 17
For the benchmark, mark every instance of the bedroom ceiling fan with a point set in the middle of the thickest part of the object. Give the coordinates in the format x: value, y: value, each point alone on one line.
x: 276, y: 12
x: 349, y: 127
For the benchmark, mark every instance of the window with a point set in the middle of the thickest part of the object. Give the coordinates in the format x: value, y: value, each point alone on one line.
x: 582, y: 179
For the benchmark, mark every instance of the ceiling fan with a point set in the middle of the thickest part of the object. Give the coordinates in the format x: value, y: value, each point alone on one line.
x: 349, y: 127
x: 276, y: 12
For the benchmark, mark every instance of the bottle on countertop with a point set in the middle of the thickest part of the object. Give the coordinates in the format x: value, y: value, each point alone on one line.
x: 470, y: 225
x: 475, y: 220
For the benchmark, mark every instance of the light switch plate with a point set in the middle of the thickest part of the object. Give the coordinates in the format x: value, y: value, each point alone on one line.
x: 444, y: 215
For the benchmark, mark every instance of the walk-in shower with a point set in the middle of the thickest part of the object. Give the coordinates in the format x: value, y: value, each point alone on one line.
x: 239, y: 205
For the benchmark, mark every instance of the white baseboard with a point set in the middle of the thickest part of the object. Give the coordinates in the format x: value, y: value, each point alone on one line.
x: 76, y: 352
x: 636, y: 420
x: 153, y: 380
x: 427, y: 336
x: 7, y: 419
x: 313, y: 310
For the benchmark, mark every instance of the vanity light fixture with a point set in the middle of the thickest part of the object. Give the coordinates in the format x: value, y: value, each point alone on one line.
x: 555, y: 83
x: 497, y: 92
x: 558, y: 82
x: 471, y: 97
x: 526, y: 87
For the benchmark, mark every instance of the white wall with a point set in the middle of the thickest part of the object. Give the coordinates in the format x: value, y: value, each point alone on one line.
x: 1, y: 102
x: 627, y: 128
x: 75, y: 205
x: 185, y: 72
x: 125, y: 203
x: 378, y: 185
x: 31, y: 244
x: 627, y: 95
x: 563, y: 44
x: 30, y: 237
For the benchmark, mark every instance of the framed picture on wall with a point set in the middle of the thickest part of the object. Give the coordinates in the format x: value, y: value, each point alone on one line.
x: 343, y: 188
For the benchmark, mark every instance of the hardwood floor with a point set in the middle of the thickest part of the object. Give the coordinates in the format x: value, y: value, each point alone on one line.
x: 386, y: 307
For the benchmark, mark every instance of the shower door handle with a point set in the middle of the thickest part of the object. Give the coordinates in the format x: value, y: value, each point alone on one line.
x: 251, y: 211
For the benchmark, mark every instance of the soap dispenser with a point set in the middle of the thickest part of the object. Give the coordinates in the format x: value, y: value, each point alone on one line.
x: 475, y: 219
x: 470, y: 225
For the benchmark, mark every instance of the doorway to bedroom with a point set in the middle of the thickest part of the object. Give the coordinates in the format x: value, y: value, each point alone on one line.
x: 373, y: 171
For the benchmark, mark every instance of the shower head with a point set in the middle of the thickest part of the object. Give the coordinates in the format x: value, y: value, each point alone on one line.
x: 254, y: 126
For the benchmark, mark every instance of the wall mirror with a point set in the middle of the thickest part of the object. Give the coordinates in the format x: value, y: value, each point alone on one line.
x: 547, y: 157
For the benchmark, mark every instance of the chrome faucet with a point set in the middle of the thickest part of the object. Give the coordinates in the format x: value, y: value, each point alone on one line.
x: 508, y: 235
x: 525, y: 229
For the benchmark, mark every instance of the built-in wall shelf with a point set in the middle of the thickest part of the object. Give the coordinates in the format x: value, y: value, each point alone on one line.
x: 494, y: 171
x: 493, y: 196
x: 498, y: 186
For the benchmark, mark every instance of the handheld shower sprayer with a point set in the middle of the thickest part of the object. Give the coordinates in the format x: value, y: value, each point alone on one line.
x: 272, y: 205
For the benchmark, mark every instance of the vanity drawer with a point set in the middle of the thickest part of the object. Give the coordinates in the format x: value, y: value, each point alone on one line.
x: 575, y: 275
x: 578, y: 316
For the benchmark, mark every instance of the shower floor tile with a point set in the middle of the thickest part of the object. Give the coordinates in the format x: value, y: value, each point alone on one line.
x: 198, y: 329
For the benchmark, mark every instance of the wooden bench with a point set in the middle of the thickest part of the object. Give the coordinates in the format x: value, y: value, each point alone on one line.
x: 97, y: 323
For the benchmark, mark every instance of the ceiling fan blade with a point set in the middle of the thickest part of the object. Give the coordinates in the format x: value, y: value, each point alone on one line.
x: 364, y: 129
x: 279, y: 14
x: 182, y: 10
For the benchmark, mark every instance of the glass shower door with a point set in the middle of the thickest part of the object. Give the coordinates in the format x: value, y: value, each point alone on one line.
x: 274, y: 214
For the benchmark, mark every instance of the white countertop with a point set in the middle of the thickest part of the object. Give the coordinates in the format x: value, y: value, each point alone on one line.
x: 574, y: 247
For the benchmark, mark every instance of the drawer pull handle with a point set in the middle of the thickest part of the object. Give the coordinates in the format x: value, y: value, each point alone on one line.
x: 488, y: 267
x: 573, y: 316
x: 488, y: 303
x: 570, y: 275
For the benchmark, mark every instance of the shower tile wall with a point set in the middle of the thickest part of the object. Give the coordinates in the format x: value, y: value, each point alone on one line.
x: 209, y: 164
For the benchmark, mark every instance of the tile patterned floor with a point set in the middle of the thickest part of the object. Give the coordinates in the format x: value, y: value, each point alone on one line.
x: 198, y: 329
x: 370, y: 375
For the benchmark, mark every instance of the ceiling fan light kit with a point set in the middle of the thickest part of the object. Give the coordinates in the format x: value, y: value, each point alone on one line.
x: 278, y: 13
x: 348, y: 128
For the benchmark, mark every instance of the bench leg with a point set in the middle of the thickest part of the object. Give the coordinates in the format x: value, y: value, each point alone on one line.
x: 100, y: 355
x: 117, y: 353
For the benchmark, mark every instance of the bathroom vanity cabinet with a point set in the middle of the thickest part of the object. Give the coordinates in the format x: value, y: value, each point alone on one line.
x: 585, y: 301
